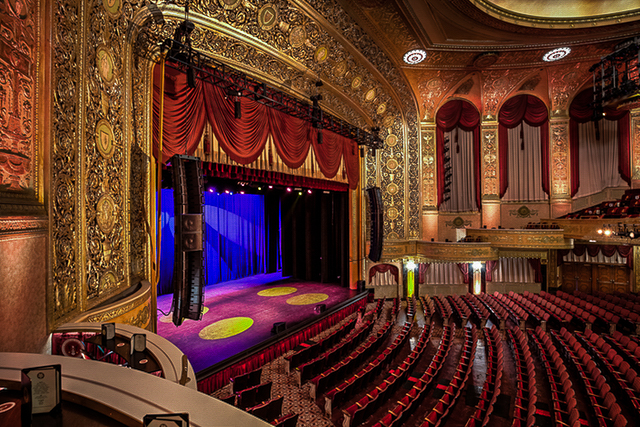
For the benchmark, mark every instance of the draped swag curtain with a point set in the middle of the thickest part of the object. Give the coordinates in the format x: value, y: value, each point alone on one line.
x: 382, y: 269
x: 235, y: 244
x: 448, y: 273
x: 186, y: 110
x: 598, y: 254
x: 521, y: 113
x: 463, y: 115
x: 581, y: 112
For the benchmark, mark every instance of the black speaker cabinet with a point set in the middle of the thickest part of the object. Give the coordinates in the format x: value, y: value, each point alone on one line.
x: 376, y: 223
x: 320, y: 308
x: 278, y: 327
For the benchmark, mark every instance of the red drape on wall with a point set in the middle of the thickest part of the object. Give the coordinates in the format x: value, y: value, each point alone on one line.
x: 383, y: 268
x: 462, y: 114
x: 489, y: 266
x: 187, y: 110
x: 423, y: 267
x: 537, y: 269
x: 464, y: 268
x: 532, y: 111
x: 582, y: 112
x: 624, y: 251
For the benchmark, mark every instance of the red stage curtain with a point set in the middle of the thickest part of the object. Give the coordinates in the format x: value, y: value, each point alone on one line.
x: 186, y: 110
x: 184, y: 117
x: 581, y: 111
x: 290, y: 136
x: 531, y: 110
x: 462, y: 114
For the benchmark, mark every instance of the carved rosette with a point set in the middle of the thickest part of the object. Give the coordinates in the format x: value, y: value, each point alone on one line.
x: 429, y: 177
x: 635, y: 144
x: 560, y: 164
x: 490, y: 169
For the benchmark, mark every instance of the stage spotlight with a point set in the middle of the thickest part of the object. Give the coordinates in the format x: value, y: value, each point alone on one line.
x: 270, y: 187
x: 227, y: 191
x: 242, y: 192
x: 309, y: 191
x: 299, y: 193
x: 211, y: 189
x: 259, y: 188
x: 288, y: 189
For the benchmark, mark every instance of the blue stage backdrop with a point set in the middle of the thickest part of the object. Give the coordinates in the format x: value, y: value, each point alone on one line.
x: 234, y: 237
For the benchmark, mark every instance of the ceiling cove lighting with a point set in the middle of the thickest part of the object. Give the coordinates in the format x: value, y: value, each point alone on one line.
x: 556, y: 54
x: 415, y: 56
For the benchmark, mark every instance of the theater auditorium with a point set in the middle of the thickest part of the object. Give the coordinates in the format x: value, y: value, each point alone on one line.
x: 320, y: 213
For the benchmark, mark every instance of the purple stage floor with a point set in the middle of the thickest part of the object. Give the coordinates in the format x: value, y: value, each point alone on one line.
x: 237, y: 317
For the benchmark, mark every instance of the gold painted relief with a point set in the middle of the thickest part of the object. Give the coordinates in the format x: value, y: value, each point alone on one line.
x: 564, y: 80
x: 104, y: 63
x: 635, y: 144
x: 19, y: 65
x: 267, y: 16
x: 490, y: 165
x: 560, y: 167
x: 113, y: 7
x: 104, y: 139
x: 429, y: 181
x: 321, y: 54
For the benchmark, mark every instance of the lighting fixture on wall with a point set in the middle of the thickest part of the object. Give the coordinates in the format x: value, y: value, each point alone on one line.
x: 622, y: 230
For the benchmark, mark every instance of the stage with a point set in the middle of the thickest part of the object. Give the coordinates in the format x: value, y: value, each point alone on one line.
x: 239, y: 314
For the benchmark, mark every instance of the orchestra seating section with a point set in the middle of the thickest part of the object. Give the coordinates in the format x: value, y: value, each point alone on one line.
x: 547, y: 359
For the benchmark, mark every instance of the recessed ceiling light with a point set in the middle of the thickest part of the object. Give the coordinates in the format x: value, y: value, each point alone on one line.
x: 414, y: 56
x: 556, y: 54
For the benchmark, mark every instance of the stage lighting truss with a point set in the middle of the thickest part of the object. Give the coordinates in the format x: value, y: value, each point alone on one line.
x: 616, y: 78
x: 179, y: 54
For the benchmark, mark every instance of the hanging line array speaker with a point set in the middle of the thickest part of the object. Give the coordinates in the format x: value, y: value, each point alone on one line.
x: 188, y: 269
x: 376, y: 223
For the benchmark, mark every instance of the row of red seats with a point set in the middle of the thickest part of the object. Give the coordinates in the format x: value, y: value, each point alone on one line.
x: 493, y: 382
x: 517, y: 313
x: 558, y: 313
x: 615, y: 367
x: 617, y: 313
x: 442, y: 307
x: 526, y: 397
x: 332, y: 356
x: 585, y: 306
x: 350, y: 386
x: 580, y: 315
x: 621, y: 301
x: 451, y: 394
x: 312, y: 351
x: 629, y: 297
x: 411, y: 306
x: 428, y: 308
x: 365, y: 407
x: 395, y: 308
x: 349, y: 364
x: 627, y: 346
x: 538, y: 313
x: 603, y: 402
x: 478, y: 309
x: 461, y: 310
x: 562, y: 393
x: 496, y: 310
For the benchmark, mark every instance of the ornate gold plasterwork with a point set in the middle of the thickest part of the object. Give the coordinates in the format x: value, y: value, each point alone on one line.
x: 502, y: 238
x: 635, y: 144
x: 636, y: 276
x: 495, y: 87
x: 541, y: 254
x: 8, y: 224
x: 560, y: 163
x: 429, y: 177
x: 564, y: 80
x: 490, y: 166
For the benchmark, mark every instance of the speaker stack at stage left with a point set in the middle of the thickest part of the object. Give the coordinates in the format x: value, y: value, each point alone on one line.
x: 188, y: 269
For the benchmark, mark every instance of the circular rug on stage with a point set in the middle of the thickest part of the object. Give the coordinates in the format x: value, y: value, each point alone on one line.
x: 226, y: 328
x: 276, y: 292
x: 169, y: 317
x: 306, y: 299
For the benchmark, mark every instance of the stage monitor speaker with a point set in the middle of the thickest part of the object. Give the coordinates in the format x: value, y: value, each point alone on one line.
x: 376, y: 223
x: 278, y: 327
x: 361, y: 285
x: 320, y: 308
x: 188, y: 270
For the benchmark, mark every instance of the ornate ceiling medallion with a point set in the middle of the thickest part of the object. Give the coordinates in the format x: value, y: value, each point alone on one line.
x: 340, y: 69
x: 356, y: 82
x: 104, y: 139
x: 391, y: 140
x: 370, y: 95
x: 485, y: 59
x: 381, y: 108
x: 297, y: 37
x: 106, y: 213
x: 104, y: 63
x: 321, y: 55
x: 267, y: 16
x: 229, y: 4
x: 415, y: 56
x: 556, y: 54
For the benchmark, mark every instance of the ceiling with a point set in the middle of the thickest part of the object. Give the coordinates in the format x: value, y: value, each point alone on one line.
x: 463, y: 37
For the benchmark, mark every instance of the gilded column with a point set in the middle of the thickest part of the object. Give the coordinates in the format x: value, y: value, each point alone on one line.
x: 635, y: 148
x: 490, y: 174
x: 635, y: 280
x: 429, y: 182
x: 560, y: 166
